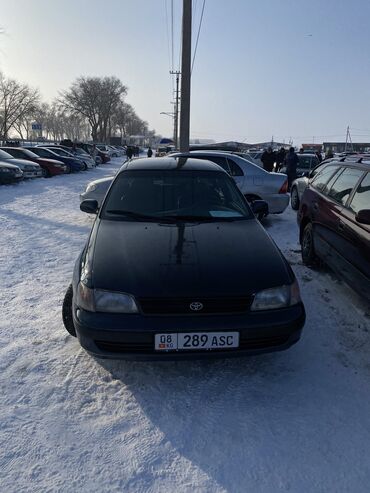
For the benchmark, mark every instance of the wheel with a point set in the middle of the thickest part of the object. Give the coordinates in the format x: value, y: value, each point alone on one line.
x: 45, y: 173
x: 68, y: 169
x: 308, y: 250
x: 294, y: 199
x: 67, y: 312
x: 85, y: 167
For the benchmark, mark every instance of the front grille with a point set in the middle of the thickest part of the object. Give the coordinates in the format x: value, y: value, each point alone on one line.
x: 148, y: 347
x: 181, y: 306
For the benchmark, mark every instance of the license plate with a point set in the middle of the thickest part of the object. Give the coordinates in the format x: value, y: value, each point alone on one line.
x: 196, y: 341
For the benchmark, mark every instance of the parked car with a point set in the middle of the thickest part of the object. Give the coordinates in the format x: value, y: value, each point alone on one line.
x: 84, y: 156
x: 334, y: 222
x: 66, y: 152
x: 50, y: 167
x: 97, y: 189
x: 9, y: 173
x: 176, y: 265
x: 254, y: 182
x: 300, y: 184
x: 72, y: 164
x: 29, y: 169
x: 306, y: 163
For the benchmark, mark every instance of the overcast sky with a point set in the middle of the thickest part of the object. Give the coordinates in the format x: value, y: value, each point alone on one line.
x: 281, y: 68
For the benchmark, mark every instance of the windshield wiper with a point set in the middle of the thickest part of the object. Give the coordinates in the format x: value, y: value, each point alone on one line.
x: 189, y: 218
x: 131, y: 214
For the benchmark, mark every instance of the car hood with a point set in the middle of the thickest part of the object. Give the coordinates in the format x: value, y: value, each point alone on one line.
x: 21, y: 163
x: 6, y: 164
x: 192, y: 259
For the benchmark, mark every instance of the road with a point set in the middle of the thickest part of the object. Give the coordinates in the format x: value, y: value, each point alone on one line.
x: 292, y: 421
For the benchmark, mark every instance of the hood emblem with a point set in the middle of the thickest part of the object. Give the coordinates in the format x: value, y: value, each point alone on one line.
x: 196, y: 306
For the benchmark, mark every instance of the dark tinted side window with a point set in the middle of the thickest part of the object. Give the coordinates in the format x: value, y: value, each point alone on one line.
x: 15, y: 153
x: 322, y: 178
x: 235, y: 170
x: 304, y: 162
x: 361, y: 199
x: 344, y: 184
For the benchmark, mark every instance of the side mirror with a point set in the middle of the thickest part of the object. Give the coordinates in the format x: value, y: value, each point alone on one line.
x: 90, y: 206
x: 363, y: 216
x: 260, y: 207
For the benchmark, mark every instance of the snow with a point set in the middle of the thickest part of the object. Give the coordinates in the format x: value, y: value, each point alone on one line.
x: 295, y: 421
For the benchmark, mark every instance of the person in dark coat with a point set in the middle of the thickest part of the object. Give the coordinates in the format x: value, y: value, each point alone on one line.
x: 268, y: 159
x: 291, y: 163
x: 280, y: 157
x: 129, y: 152
x: 150, y: 152
x: 329, y: 154
x: 319, y: 156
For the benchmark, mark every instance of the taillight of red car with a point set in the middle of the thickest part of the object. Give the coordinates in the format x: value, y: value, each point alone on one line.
x: 284, y: 187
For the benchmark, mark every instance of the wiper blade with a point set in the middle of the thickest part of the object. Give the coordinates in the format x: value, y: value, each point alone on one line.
x: 188, y: 218
x: 132, y: 214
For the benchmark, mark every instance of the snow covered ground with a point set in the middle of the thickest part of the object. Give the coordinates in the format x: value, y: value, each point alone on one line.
x: 295, y: 421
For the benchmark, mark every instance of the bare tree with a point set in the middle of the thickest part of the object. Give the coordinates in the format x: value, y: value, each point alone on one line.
x: 96, y: 99
x: 17, y: 103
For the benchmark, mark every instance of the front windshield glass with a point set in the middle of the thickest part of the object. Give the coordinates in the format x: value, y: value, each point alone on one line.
x: 62, y: 152
x: 175, y: 195
x: 5, y: 155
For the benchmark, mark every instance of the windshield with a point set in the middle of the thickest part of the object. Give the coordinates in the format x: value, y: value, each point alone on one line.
x: 61, y: 152
x: 5, y: 155
x: 175, y: 195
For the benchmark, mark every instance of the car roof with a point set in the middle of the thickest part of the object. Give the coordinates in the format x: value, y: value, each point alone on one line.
x: 167, y: 163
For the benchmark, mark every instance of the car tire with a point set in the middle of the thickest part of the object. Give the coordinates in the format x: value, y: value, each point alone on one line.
x: 294, y: 199
x: 68, y: 169
x: 67, y: 312
x: 308, y: 249
x: 85, y: 167
x: 45, y: 173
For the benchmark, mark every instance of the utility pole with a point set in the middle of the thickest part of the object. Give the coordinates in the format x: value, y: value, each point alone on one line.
x: 176, y: 115
x: 348, y: 140
x: 185, y: 76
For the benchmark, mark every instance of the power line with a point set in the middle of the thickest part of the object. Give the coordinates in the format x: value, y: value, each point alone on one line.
x: 196, y: 43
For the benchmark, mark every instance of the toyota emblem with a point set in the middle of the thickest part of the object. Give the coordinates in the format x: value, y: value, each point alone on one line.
x: 196, y: 306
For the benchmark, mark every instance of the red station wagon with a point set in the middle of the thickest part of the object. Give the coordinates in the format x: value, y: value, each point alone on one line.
x: 334, y: 222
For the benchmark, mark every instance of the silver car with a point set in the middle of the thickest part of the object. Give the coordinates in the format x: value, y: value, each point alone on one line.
x: 300, y: 184
x: 97, y: 189
x: 254, y: 182
x: 29, y: 169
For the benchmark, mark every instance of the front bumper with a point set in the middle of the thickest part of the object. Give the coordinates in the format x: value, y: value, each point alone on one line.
x: 119, y: 336
x: 32, y: 174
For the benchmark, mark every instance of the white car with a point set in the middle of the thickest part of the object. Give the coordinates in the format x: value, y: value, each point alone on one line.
x: 254, y: 182
x: 97, y: 189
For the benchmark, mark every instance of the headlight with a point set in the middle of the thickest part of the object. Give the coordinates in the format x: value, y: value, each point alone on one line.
x: 279, y: 297
x: 99, y: 300
x: 91, y: 187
